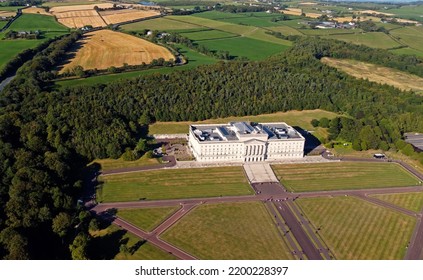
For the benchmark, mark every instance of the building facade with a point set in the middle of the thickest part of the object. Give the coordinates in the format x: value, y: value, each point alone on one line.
x: 245, y: 142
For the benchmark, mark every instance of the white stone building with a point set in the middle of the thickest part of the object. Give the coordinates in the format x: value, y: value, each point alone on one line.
x: 245, y: 142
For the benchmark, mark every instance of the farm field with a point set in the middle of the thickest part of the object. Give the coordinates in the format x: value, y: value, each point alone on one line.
x: 252, y: 49
x: 286, y: 30
x: 10, y: 48
x: 162, y: 24
x: 43, y: 23
x: 370, y: 39
x: 60, y: 9
x: 34, y: 10
x: 221, y: 231
x: 411, y: 36
x: 408, y: 12
x: 208, y: 35
x: 174, y: 183
x: 376, y: 73
x: 195, y: 59
x: 105, y: 244
x: 407, y: 51
x: 411, y: 201
x: 109, y: 164
x: 342, y: 175
x: 246, y: 31
x: 327, y: 32
x: 294, y: 118
x: 10, y: 8
x: 7, y: 13
x: 146, y: 219
x: 117, y: 16
x: 2, y: 24
x: 355, y: 229
x: 103, y: 49
x: 79, y: 19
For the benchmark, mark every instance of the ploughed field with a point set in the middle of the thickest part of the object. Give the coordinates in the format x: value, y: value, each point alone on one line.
x: 105, y: 48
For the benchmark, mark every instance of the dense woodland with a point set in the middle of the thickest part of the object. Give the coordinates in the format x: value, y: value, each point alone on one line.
x: 48, y: 135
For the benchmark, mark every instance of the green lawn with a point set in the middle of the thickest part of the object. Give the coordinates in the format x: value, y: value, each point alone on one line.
x: 109, y: 164
x: 10, y: 8
x: 208, y: 35
x: 355, y: 229
x: 10, y: 48
x: 412, y: 36
x: 229, y: 231
x: 2, y: 24
x: 411, y: 201
x: 342, y: 175
x: 295, y: 118
x: 194, y: 59
x: 251, y: 48
x: 105, y: 245
x: 163, y: 24
x: 37, y: 22
x: 174, y: 183
x: 370, y: 39
x: 146, y: 219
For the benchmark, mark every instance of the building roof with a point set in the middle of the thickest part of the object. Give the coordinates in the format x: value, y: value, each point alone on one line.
x: 244, y: 131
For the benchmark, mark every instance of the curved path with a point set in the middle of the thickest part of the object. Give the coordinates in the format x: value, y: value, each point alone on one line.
x: 296, y: 225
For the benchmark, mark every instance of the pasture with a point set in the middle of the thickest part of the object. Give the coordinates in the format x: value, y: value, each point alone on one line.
x: 146, y: 219
x: 412, y: 36
x: 294, y: 118
x: 105, y: 244
x: 376, y: 73
x: 162, y: 24
x: 10, y: 48
x: 229, y: 231
x: 413, y: 12
x: 37, y: 22
x: 251, y: 48
x: 174, y: 183
x: 342, y: 176
x: 355, y: 229
x: 411, y: 201
x: 370, y: 39
x: 60, y: 9
x: 105, y: 48
x: 208, y: 35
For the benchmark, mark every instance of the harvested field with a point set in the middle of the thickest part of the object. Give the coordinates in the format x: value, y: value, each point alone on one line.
x: 105, y: 48
x: 33, y: 10
x: 79, y: 22
x: 376, y: 73
x: 7, y: 14
x: 62, y: 9
x: 73, y: 14
x: 118, y: 16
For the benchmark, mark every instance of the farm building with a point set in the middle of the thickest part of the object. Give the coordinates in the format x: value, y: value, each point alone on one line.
x: 245, y: 142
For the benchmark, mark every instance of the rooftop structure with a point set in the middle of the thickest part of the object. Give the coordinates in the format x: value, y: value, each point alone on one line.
x: 245, y: 141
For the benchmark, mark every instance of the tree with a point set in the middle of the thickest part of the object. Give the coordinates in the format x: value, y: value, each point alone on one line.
x: 324, y: 122
x: 315, y: 123
x: 78, y: 248
x: 61, y: 224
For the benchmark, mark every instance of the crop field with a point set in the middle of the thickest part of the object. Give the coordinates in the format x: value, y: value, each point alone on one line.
x: 378, y: 74
x: 370, y: 39
x: 246, y: 31
x: 61, y: 9
x: 174, y: 183
x: 229, y: 231
x: 194, y: 59
x: 342, y: 175
x: 163, y: 24
x: 117, y: 16
x: 78, y: 19
x: 355, y: 229
x: 294, y: 118
x: 105, y: 48
x: 411, y: 36
x: 251, y: 48
x: 208, y: 35
x: 7, y: 13
x: 146, y: 219
x: 286, y: 30
x: 44, y: 23
x: 252, y: 21
x: 34, y: 10
x: 105, y: 244
x: 411, y: 201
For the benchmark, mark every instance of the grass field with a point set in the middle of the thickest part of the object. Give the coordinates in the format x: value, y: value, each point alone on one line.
x: 411, y: 201
x: 194, y: 59
x: 208, y: 35
x: 2, y: 24
x: 412, y: 36
x: 109, y: 164
x: 294, y: 118
x: 413, y: 12
x: 408, y: 51
x: 146, y: 219
x: 246, y: 31
x: 10, y: 8
x: 45, y: 23
x: 286, y: 30
x: 327, y: 32
x: 355, y: 229
x: 378, y: 74
x: 342, y: 175
x: 251, y: 48
x: 174, y: 183
x: 9, y: 49
x: 105, y: 48
x: 229, y: 231
x: 162, y: 24
x: 370, y: 39
x: 105, y: 243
